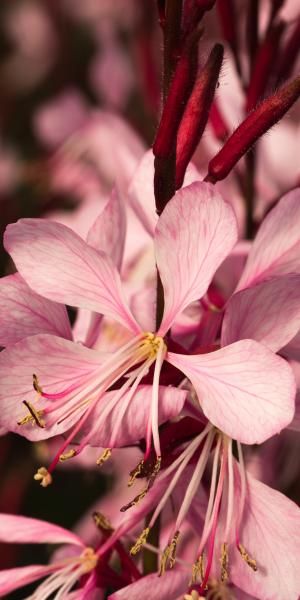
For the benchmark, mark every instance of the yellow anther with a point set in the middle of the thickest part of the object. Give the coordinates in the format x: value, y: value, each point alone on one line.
x: 169, y: 555
x: 43, y: 476
x: 198, y: 570
x: 89, y: 560
x: 145, y: 491
x: 67, y: 455
x: 193, y: 596
x: 102, y: 522
x: 153, y: 343
x: 251, y: 562
x: 34, y: 416
x: 36, y: 384
x: 140, y: 542
x: 224, y: 563
x: 135, y: 472
x: 104, y: 457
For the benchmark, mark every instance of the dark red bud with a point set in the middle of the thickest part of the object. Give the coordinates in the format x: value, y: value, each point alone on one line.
x: 194, y: 11
x: 260, y: 120
x: 217, y: 122
x: 252, y: 30
x: 229, y: 18
x: 196, y: 112
x: 265, y: 60
x: 161, y: 8
x: 180, y: 89
x: 289, y: 54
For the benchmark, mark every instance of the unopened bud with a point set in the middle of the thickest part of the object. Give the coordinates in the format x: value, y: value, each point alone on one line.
x: 260, y: 120
x: 196, y: 113
x: 193, y: 13
x: 228, y: 18
x: 180, y: 89
x: 289, y: 54
x: 265, y: 59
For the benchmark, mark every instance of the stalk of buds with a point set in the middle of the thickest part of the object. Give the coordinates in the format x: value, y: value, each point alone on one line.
x: 260, y: 120
x: 196, y: 112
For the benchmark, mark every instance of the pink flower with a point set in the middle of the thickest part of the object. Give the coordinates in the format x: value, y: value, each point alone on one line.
x: 79, y: 561
x: 244, y: 389
x: 75, y: 565
x: 234, y: 527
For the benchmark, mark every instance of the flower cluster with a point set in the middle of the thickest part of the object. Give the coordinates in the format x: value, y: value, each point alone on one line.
x: 183, y: 357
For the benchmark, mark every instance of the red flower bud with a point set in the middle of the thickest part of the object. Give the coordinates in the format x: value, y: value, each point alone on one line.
x: 196, y: 112
x: 194, y: 11
x: 289, y: 54
x: 228, y: 18
x: 262, y: 118
x: 265, y: 59
x: 180, y: 89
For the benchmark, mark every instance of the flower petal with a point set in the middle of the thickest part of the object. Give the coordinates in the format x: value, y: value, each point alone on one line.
x: 59, y: 265
x: 109, y: 229
x: 275, y: 250
x: 141, y: 192
x: 58, y: 364
x: 244, y: 389
x: 169, y: 587
x: 268, y: 312
x: 24, y: 313
x: 12, y: 579
x: 134, y: 422
x: 18, y: 529
x: 270, y: 534
x: 194, y: 234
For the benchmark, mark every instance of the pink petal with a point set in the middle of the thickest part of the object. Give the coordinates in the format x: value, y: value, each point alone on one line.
x: 275, y: 250
x: 12, y: 579
x: 270, y: 534
x: 109, y: 229
x: 58, y: 364
x: 193, y: 236
x: 244, y: 389
x: 141, y: 193
x: 134, y: 422
x: 268, y: 312
x: 292, y: 349
x: 169, y: 587
x: 24, y: 313
x: 17, y: 529
x: 59, y: 265
x: 56, y: 120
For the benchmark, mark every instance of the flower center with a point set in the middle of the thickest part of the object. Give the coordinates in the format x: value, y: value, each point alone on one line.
x: 132, y: 362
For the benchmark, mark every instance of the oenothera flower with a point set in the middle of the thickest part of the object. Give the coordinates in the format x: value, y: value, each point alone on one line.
x: 78, y: 563
x: 244, y: 388
x: 76, y: 569
x: 239, y: 539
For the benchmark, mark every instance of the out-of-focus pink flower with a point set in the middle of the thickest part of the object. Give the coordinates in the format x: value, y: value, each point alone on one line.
x: 29, y: 28
x: 60, y: 117
x: 111, y: 73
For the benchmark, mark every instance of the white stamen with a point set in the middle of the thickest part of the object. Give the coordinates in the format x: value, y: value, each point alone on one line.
x: 209, y: 512
x: 230, y: 492
x: 138, y: 377
x: 243, y: 485
x: 184, y: 459
x: 155, y: 390
x: 195, y: 480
